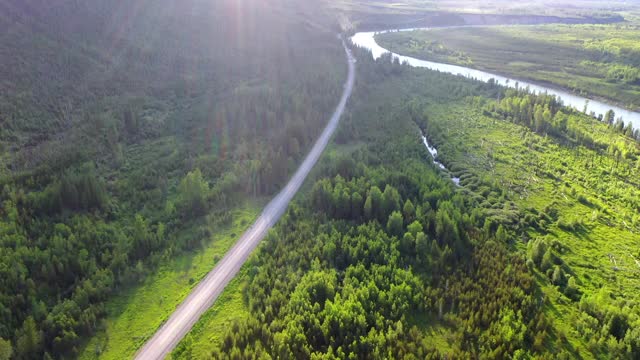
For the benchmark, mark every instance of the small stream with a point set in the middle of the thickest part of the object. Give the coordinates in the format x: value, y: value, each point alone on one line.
x: 434, y: 155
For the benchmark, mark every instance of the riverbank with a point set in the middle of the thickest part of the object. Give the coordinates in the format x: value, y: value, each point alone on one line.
x: 367, y: 40
x: 556, y: 56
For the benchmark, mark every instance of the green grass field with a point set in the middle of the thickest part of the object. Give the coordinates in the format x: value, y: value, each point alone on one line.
x: 595, y: 60
x: 135, y: 314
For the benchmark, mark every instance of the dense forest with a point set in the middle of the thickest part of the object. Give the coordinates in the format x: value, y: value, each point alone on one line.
x: 383, y: 256
x: 384, y: 248
x: 123, y: 124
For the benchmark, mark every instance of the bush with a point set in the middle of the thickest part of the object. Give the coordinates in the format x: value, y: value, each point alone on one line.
x: 192, y: 194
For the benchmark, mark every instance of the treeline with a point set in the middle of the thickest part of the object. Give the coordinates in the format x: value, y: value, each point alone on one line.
x: 545, y: 114
x: 146, y: 148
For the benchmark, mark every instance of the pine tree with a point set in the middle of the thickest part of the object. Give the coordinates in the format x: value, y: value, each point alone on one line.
x: 192, y: 193
x: 29, y: 340
x: 368, y: 208
x: 409, y: 211
x: 394, y: 224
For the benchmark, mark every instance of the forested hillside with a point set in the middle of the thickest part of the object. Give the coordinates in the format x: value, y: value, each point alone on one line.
x: 123, y: 123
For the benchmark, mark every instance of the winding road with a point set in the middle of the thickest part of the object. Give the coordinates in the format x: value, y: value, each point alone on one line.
x: 206, y: 292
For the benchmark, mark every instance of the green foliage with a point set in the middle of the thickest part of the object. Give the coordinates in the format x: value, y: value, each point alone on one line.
x: 544, y: 114
x: 377, y: 210
x: 28, y: 339
x: 423, y: 282
x: 620, y: 73
x: 5, y: 349
x: 192, y: 194
x: 390, y: 200
x: 137, y: 311
x: 77, y: 190
x: 408, y: 211
x: 567, y: 190
x: 414, y: 228
x: 352, y: 272
x: 394, y: 224
x: 558, y: 277
x: 537, y: 251
x: 572, y: 290
x: 368, y: 208
x: 316, y: 313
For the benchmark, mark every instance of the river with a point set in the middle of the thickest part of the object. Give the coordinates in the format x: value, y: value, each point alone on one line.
x: 367, y: 40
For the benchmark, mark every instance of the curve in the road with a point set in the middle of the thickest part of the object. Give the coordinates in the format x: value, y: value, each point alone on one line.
x: 206, y: 292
